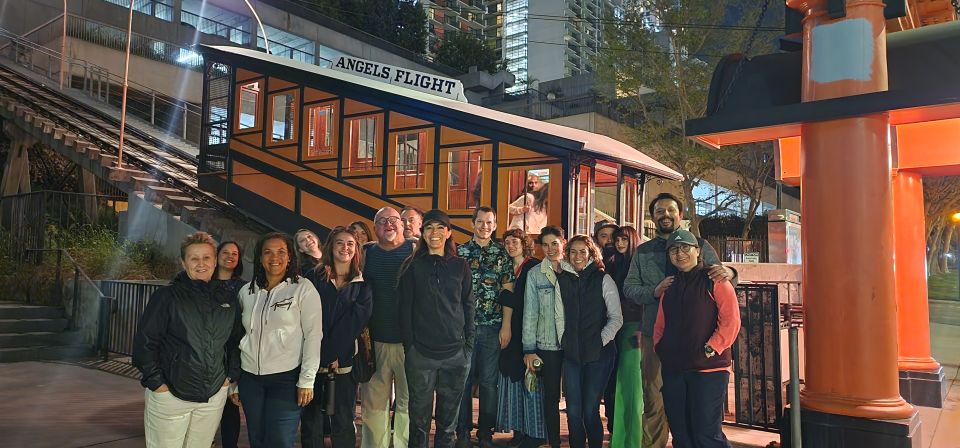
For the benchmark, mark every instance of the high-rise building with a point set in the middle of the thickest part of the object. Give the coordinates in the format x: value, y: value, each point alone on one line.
x: 453, y: 16
x: 543, y: 40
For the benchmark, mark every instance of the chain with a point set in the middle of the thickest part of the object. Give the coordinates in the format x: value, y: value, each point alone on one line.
x: 739, y: 68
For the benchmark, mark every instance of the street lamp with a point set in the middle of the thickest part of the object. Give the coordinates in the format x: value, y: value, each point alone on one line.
x: 956, y: 253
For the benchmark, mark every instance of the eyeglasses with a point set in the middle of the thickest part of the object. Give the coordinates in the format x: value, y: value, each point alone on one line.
x: 680, y: 248
x: 388, y: 220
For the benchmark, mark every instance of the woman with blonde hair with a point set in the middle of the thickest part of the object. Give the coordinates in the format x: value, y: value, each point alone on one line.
x: 186, y: 351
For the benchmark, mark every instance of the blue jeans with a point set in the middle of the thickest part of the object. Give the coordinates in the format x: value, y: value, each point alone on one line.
x: 270, y: 405
x: 693, y: 402
x: 485, y: 367
x: 584, y: 385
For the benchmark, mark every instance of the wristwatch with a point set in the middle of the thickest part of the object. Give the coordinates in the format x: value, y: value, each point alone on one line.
x: 709, y: 351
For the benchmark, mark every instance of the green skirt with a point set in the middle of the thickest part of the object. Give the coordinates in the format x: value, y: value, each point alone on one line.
x: 628, y: 412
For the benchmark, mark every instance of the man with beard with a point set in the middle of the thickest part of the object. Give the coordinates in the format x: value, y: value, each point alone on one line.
x: 382, y: 262
x: 649, y: 276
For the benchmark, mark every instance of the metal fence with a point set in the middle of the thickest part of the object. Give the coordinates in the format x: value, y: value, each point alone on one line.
x: 129, y: 301
x: 759, y: 386
x: 29, y: 218
x: 738, y: 250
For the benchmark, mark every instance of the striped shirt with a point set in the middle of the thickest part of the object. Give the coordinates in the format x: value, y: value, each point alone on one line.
x: 380, y: 269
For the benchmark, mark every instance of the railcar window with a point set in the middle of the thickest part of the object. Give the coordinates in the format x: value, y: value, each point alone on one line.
x: 364, y: 135
x: 321, y: 138
x: 249, y: 100
x: 630, y: 201
x: 465, y: 179
x: 284, y: 105
x: 411, y: 156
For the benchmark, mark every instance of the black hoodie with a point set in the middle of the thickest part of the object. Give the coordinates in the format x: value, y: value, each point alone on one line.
x: 345, y: 313
x: 437, y: 306
x: 188, y: 338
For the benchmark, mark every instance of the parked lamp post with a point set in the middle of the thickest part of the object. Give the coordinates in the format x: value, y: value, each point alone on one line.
x: 123, y: 102
x: 956, y: 252
x: 63, y: 45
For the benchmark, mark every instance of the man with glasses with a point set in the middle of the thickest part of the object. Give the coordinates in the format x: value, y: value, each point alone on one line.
x: 650, y: 274
x: 412, y: 218
x: 492, y: 271
x: 381, y: 265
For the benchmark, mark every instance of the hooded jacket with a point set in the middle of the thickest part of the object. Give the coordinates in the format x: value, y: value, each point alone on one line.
x: 187, y: 338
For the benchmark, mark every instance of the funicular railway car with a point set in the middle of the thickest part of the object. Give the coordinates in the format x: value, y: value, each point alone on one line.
x: 297, y: 145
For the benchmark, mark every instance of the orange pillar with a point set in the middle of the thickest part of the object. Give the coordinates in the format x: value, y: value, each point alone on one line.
x: 850, y: 313
x: 913, y: 311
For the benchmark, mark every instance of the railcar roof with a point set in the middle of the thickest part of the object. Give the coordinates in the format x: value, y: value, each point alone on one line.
x: 502, y: 124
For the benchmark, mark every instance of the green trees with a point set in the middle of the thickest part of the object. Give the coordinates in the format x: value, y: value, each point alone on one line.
x: 402, y: 22
x: 659, y: 59
x: 463, y: 50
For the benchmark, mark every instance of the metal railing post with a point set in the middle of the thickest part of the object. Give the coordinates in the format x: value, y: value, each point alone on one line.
x: 76, y: 298
x: 103, y: 343
x: 185, y: 121
x: 153, y: 107
x: 59, y: 276
x: 795, y: 439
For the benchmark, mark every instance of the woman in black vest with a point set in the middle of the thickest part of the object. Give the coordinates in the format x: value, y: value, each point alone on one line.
x: 592, y: 318
x: 697, y: 322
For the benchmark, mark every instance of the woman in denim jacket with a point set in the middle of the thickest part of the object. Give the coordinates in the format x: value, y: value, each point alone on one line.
x: 543, y: 322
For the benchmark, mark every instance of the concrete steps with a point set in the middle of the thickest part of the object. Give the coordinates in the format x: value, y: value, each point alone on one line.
x: 31, y: 333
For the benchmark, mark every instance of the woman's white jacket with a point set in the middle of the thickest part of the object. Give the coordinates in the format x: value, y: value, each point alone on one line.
x: 284, y: 328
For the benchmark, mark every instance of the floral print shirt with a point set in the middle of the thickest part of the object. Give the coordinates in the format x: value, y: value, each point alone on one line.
x: 491, y: 268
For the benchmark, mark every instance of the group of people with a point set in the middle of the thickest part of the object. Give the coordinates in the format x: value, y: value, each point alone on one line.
x: 416, y: 323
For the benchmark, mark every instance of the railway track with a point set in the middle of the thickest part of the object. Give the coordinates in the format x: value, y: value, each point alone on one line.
x: 167, y: 164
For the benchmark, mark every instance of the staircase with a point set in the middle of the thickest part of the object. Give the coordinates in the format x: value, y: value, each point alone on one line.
x: 33, y: 333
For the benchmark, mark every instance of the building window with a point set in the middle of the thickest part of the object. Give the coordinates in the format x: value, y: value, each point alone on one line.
x: 249, y: 105
x: 284, y: 119
x: 363, y: 143
x: 410, y: 160
x: 465, y: 179
x: 321, y: 139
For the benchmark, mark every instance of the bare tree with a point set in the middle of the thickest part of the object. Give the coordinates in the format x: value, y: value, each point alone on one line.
x: 753, y: 165
x: 941, y: 196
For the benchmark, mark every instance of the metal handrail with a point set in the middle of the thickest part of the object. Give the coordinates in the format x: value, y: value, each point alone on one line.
x: 97, y: 81
x: 105, y: 302
x: 214, y: 28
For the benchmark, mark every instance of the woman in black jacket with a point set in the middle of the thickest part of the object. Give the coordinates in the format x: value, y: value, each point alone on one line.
x: 186, y: 349
x: 347, y: 305
x: 437, y: 327
x: 592, y: 318
x: 521, y: 410
x: 229, y: 271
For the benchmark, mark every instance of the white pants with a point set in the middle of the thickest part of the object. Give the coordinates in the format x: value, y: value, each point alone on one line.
x: 170, y: 422
x: 375, y: 399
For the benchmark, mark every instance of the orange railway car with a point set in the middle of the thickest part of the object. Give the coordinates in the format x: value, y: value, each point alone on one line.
x: 296, y: 145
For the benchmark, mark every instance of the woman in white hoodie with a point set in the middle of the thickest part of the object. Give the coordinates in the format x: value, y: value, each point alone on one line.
x: 280, y: 353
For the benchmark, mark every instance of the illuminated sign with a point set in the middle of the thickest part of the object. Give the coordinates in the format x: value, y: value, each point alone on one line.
x: 411, y: 79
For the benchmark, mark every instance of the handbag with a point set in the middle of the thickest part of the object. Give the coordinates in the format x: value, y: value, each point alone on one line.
x: 364, y: 364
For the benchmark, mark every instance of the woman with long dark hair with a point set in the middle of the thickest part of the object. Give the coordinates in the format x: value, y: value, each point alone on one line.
x: 592, y: 318
x: 529, y: 211
x: 280, y: 354
x: 362, y: 232
x: 624, y: 400
x: 521, y: 409
x: 437, y: 310
x: 347, y: 306
x: 308, y: 250
x: 229, y: 270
